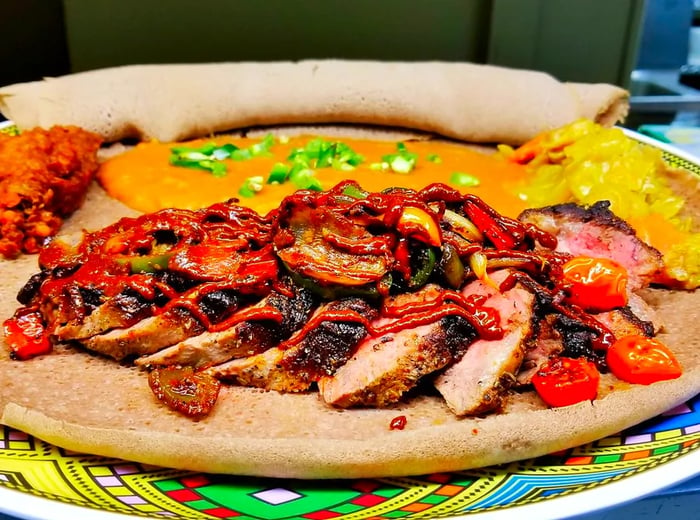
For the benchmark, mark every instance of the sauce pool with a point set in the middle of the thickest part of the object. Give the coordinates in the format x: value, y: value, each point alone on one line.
x: 143, y: 178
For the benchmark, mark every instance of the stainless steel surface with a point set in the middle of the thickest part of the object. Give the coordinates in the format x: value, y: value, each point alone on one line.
x: 658, y: 90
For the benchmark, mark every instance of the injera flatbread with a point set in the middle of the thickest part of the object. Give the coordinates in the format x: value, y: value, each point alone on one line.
x: 89, y: 404
x: 465, y: 101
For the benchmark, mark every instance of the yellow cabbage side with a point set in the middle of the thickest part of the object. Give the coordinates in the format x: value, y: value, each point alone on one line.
x: 584, y: 162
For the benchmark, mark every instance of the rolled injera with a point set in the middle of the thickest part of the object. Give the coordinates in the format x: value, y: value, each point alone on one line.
x: 465, y: 101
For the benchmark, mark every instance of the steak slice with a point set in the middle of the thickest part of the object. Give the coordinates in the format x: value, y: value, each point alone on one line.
x: 553, y: 332
x: 544, y: 344
x: 623, y: 322
x: 479, y: 381
x: 243, y: 339
x: 147, y: 336
x: 595, y: 231
x: 384, y: 368
x: 123, y: 310
x: 320, y: 352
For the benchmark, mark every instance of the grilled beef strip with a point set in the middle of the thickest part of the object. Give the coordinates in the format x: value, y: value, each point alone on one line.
x: 243, y: 339
x: 123, y: 310
x: 318, y: 353
x: 546, y: 342
x: 384, y: 368
x: 623, y: 322
x: 147, y: 336
x: 596, y: 232
x: 163, y: 329
x: 479, y: 381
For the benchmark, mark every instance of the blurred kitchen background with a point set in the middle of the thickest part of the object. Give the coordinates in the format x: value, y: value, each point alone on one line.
x: 647, y: 46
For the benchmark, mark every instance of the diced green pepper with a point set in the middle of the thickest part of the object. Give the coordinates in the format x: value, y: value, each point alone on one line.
x: 424, y: 260
x: 278, y: 174
x: 251, y: 186
x: 464, y: 180
x: 354, y: 191
x: 146, y: 263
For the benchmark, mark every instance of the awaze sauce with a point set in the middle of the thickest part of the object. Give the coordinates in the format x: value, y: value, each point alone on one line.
x: 144, y: 179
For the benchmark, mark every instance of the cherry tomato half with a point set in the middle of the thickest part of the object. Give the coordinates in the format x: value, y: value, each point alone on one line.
x: 184, y: 390
x: 642, y: 360
x: 562, y: 381
x: 595, y: 284
x: 25, y: 334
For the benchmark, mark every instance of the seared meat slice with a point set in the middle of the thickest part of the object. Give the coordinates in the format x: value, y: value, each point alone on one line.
x: 240, y: 340
x: 385, y: 368
x: 478, y: 382
x: 123, y: 310
x: 597, y: 232
x: 623, y: 322
x: 553, y: 332
x: 544, y: 344
x: 320, y: 352
x: 147, y: 336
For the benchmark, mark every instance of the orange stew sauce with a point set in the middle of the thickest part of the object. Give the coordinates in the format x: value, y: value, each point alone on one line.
x: 144, y: 180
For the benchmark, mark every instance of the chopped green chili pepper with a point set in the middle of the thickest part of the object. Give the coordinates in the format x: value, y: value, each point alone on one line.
x: 146, y: 263
x: 305, y: 179
x: 209, y: 156
x: 401, y: 162
x: 317, y: 153
x: 333, y: 292
x: 278, y: 174
x: 464, y: 180
x: 251, y: 186
x: 425, y: 260
x: 354, y: 191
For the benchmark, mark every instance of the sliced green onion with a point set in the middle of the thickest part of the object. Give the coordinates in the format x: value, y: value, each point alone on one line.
x: 242, y: 154
x: 464, y: 180
x: 251, y: 186
x: 278, y: 174
x: 379, y: 166
x: 263, y: 147
x: 434, y: 158
x: 305, y: 179
x: 209, y: 156
x: 325, y: 156
x: 319, y: 153
x: 401, y: 162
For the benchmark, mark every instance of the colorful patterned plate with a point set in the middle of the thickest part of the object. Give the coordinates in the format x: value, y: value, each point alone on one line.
x: 38, y: 480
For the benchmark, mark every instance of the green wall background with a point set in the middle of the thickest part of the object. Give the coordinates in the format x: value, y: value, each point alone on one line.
x: 591, y: 40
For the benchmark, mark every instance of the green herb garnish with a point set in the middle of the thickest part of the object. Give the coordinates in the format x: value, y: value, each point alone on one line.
x: 402, y: 161
x: 251, y: 186
x: 209, y: 156
x: 464, y: 180
x: 317, y: 153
